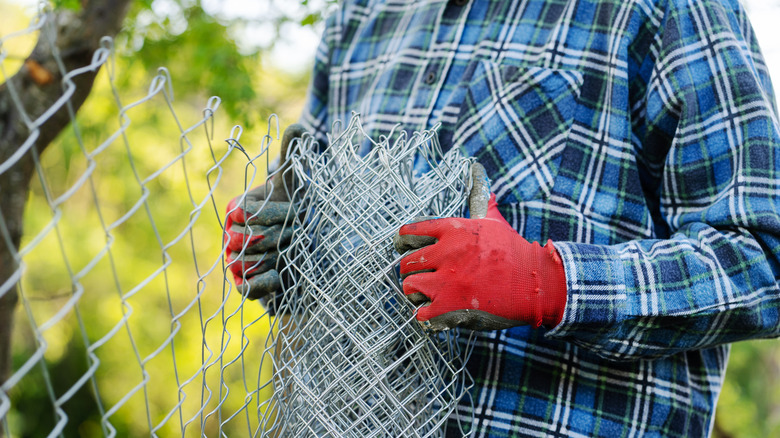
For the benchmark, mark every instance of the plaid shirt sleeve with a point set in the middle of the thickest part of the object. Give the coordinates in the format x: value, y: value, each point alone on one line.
x: 708, y: 111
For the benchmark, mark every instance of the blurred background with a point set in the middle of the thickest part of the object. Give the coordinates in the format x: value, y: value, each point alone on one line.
x: 256, y: 56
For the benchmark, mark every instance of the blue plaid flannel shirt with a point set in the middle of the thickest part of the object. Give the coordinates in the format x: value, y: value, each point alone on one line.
x: 639, y: 135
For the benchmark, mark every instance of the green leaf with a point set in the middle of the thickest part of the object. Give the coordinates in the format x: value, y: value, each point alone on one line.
x: 73, y: 5
x: 310, y: 19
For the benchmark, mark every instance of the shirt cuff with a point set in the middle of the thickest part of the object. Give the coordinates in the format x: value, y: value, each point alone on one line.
x: 596, y: 291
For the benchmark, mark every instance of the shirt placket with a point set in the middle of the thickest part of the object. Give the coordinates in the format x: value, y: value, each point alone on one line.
x: 426, y: 100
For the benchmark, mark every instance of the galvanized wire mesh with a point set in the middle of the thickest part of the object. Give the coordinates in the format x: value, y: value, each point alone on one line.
x: 127, y: 325
x: 351, y: 359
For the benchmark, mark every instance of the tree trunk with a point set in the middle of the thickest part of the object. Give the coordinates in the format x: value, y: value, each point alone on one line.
x: 38, y: 85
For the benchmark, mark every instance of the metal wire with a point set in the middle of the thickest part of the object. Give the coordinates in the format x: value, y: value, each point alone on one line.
x: 350, y: 358
x: 127, y: 324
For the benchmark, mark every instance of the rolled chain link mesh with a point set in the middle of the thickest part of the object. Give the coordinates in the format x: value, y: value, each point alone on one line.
x: 351, y: 360
x: 128, y: 323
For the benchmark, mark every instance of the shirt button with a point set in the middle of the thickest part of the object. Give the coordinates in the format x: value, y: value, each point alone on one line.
x: 430, y: 78
x: 460, y: 2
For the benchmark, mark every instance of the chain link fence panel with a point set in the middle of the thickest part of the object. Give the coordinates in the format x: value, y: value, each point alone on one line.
x: 127, y: 323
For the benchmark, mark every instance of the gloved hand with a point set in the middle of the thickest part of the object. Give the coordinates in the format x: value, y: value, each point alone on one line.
x: 257, y: 227
x: 480, y: 274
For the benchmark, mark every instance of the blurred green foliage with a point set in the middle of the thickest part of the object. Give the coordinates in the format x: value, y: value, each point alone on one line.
x: 121, y: 338
x: 204, y: 59
x: 749, y: 405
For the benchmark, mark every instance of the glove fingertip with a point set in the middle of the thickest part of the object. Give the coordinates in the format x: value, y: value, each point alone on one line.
x: 296, y: 130
x: 431, y: 226
x: 407, y: 242
x: 236, y: 214
x: 417, y: 298
x: 430, y: 313
x: 439, y: 323
x: 237, y: 241
x: 411, y: 285
x: 261, y: 285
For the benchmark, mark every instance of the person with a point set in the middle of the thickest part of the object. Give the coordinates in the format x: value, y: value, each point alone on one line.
x: 639, y: 138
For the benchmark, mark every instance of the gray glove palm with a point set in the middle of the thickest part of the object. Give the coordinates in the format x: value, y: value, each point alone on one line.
x: 255, y: 230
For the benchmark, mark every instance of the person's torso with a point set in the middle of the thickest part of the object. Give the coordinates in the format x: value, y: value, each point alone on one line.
x: 547, y: 95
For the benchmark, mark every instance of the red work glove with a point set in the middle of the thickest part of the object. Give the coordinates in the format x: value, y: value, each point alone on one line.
x: 252, y: 239
x: 257, y: 227
x: 480, y: 274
